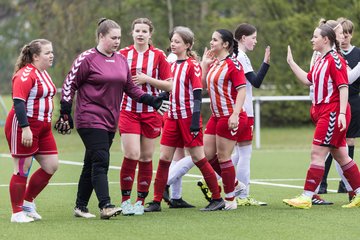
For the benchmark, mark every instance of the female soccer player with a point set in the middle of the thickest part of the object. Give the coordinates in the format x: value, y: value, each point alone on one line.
x: 246, y: 35
x: 28, y: 128
x: 331, y: 115
x: 225, y: 80
x: 140, y: 125
x: 183, y: 125
x: 100, y: 75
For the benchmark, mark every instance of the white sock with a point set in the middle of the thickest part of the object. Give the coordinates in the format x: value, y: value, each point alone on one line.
x: 179, y: 169
x: 243, y: 167
x: 235, y: 155
x: 176, y: 189
x: 308, y: 194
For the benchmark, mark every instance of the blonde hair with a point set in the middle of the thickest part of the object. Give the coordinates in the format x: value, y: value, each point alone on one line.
x: 188, y: 37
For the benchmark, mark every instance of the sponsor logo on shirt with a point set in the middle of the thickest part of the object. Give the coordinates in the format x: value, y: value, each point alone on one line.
x: 109, y: 60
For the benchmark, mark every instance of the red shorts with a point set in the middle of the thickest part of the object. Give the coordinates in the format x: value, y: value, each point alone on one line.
x: 176, y: 133
x: 247, y: 133
x: 327, y: 132
x: 146, y: 124
x: 43, y: 139
x: 219, y: 126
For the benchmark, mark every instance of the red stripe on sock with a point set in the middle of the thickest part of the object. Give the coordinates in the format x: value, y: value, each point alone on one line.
x: 313, y: 177
x: 144, y: 178
x: 228, y: 177
x: 161, y: 178
x: 38, y: 181
x: 351, y: 172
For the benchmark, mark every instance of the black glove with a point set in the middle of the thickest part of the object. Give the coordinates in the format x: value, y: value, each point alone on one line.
x: 65, y: 122
x: 158, y: 103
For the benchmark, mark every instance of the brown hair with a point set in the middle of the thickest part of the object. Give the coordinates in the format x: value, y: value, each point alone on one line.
x: 347, y: 25
x: 327, y: 31
x: 331, y: 23
x: 28, y: 51
x: 188, y: 37
x: 104, y: 26
x: 143, y: 21
x: 244, y: 29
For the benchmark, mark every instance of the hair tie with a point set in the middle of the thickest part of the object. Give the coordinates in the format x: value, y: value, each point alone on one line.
x: 101, y: 21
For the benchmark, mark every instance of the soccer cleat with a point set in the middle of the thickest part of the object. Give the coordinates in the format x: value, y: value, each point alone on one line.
x: 109, y: 211
x: 153, y: 207
x: 301, y: 201
x: 249, y: 201
x: 317, y: 200
x: 179, y: 203
x: 166, y: 194
x: 230, y: 204
x: 323, y: 188
x: 83, y: 212
x: 355, y: 202
x: 138, y: 208
x: 30, y: 210
x: 239, y: 188
x: 342, y: 188
x: 214, y: 205
x: 204, y: 189
x: 20, y: 217
x: 127, y: 208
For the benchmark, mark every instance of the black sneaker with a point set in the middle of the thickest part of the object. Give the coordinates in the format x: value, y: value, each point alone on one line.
x: 166, y: 194
x: 342, y: 188
x: 214, y: 205
x: 323, y: 188
x: 317, y: 200
x: 153, y: 207
x: 179, y: 203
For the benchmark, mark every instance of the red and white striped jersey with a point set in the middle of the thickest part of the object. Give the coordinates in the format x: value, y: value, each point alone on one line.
x: 223, y: 79
x: 327, y: 75
x: 37, y: 90
x: 187, y: 78
x: 153, y: 63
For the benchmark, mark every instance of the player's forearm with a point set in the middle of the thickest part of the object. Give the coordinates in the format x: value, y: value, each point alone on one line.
x: 344, y: 96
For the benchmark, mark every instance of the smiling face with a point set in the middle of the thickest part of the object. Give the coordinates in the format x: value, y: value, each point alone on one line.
x: 141, y: 34
x: 249, y: 42
x: 110, y: 42
x: 46, y: 57
x: 217, y: 44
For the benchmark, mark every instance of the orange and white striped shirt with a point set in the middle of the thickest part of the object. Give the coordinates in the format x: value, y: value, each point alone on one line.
x: 224, y: 78
x: 37, y: 90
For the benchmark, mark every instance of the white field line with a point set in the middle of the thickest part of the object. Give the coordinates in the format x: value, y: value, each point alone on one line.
x: 265, y: 182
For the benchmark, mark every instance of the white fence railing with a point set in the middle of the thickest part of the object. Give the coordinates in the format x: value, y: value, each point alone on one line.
x: 257, y: 101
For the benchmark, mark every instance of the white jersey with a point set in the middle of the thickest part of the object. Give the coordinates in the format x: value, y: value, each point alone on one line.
x: 246, y: 63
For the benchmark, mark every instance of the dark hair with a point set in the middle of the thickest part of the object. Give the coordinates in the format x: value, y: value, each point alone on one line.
x: 104, y: 26
x: 227, y: 36
x: 28, y: 51
x: 327, y: 31
x: 188, y: 37
x: 244, y: 29
x: 347, y: 25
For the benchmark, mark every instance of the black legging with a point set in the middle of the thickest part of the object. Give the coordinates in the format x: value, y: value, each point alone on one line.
x: 96, y: 164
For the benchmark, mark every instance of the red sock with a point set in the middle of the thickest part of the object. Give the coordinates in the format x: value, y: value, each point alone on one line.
x: 209, y: 176
x: 215, y: 165
x: 17, y: 189
x: 228, y: 178
x: 161, y: 178
x: 351, y: 172
x: 38, y: 181
x: 127, y: 175
x: 144, y: 180
x: 313, y: 177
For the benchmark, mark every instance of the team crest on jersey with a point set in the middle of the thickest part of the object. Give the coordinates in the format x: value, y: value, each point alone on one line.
x: 336, y: 60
